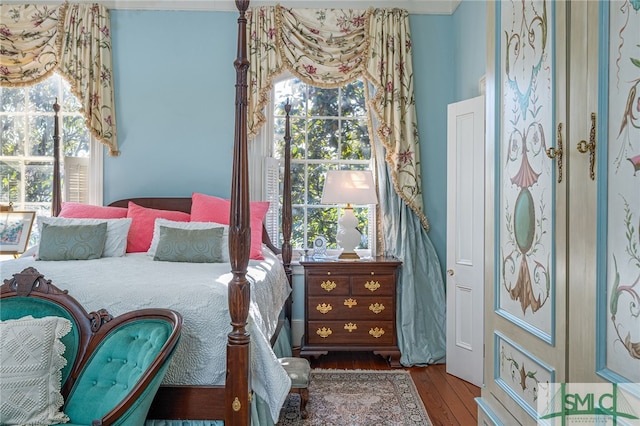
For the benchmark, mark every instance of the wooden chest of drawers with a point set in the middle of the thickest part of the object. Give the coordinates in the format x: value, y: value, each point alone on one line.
x: 351, y: 306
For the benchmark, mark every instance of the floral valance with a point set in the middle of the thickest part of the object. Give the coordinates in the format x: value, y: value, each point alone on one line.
x: 331, y: 47
x: 73, y: 39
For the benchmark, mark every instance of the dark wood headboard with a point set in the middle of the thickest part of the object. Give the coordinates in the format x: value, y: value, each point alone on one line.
x: 180, y: 204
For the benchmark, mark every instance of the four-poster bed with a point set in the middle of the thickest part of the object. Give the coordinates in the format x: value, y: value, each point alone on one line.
x: 232, y: 400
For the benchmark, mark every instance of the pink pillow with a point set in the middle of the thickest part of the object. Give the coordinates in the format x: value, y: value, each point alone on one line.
x: 207, y: 208
x: 141, y: 231
x: 87, y: 211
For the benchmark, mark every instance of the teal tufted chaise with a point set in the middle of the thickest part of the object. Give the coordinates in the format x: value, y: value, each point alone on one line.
x: 114, y: 365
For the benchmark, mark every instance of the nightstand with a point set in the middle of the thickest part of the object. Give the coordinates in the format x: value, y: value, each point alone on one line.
x: 351, y: 306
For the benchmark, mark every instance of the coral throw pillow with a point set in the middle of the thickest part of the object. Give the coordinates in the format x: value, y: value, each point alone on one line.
x: 207, y: 208
x: 87, y: 211
x: 141, y: 231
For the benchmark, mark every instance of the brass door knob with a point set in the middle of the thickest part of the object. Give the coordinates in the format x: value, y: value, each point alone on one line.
x: 450, y: 272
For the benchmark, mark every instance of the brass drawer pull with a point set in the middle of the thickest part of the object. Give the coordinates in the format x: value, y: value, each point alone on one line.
x: 328, y: 285
x: 350, y: 303
x: 376, y: 308
x: 324, y: 308
x: 376, y: 332
x: 350, y: 327
x: 372, y: 285
x: 324, y: 332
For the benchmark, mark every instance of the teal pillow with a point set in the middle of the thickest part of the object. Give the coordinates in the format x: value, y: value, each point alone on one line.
x: 72, y: 242
x: 190, y: 245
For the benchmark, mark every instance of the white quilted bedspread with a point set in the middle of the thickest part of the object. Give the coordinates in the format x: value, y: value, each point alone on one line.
x: 199, y: 292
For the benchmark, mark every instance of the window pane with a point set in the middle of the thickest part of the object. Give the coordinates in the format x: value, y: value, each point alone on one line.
x: 362, y: 214
x: 39, y: 181
x: 295, y: 91
x: 69, y: 102
x: 12, y: 136
x: 12, y: 99
x: 322, y: 139
x: 297, y: 227
x: 278, y: 137
x: 315, y: 182
x: 76, y: 136
x: 10, y: 182
x: 43, y: 95
x: 41, y: 135
x: 322, y: 222
x: 352, y: 100
x: 355, y: 140
x: 298, y: 187
x: 298, y: 132
x: 323, y: 102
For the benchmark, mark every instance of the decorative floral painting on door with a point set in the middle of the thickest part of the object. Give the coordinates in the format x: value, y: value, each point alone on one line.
x: 527, y: 190
x: 623, y: 191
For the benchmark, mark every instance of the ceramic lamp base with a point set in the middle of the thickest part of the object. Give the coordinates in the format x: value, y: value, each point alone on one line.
x: 348, y: 236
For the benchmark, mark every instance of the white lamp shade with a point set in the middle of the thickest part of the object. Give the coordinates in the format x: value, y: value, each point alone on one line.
x: 349, y: 187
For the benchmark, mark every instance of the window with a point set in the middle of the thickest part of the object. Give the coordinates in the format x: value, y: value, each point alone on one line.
x: 328, y: 131
x: 26, y: 163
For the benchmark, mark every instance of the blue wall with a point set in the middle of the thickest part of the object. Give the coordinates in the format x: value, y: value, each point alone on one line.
x: 174, y: 79
x: 175, y: 103
x: 434, y: 79
x: 470, y: 47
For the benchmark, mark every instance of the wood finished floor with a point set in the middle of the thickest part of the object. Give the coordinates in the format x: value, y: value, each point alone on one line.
x: 448, y: 399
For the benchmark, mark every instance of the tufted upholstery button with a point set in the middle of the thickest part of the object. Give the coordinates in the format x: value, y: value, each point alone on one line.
x: 113, y: 383
x: 124, y: 362
x: 109, y: 359
x: 95, y: 382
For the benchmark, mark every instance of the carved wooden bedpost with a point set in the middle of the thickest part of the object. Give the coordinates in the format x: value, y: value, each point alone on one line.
x: 237, y: 397
x: 56, y: 199
x: 286, y: 207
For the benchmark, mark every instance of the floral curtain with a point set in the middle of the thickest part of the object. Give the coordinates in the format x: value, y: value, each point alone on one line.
x: 73, y: 39
x: 329, y: 48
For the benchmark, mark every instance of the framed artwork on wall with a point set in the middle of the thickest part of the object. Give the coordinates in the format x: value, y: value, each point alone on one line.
x: 15, y: 229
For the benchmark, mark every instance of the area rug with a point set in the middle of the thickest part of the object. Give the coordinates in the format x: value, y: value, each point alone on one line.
x: 358, y: 397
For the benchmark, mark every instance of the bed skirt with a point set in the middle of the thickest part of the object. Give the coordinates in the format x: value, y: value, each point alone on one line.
x: 260, y: 414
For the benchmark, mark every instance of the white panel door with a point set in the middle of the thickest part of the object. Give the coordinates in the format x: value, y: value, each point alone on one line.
x: 465, y: 239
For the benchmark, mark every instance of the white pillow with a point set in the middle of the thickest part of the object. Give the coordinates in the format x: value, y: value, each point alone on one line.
x: 31, y: 362
x: 117, y: 231
x: 188, y: 225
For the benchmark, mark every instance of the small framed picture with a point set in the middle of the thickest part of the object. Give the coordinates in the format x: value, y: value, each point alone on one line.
x: 15, y: 229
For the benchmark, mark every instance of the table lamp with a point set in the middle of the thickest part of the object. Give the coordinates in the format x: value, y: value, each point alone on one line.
x: 349, y: 187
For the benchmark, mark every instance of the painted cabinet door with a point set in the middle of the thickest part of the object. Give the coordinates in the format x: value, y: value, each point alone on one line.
x: 526, y: 288
x: 616, y: 341
x: 562, y: 291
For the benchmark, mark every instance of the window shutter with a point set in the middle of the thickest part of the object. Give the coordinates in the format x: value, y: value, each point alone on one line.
x: 76, y: 179
x: 272, y: 193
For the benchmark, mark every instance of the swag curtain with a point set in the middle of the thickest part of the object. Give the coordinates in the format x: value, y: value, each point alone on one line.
x: 329, y: 48
x: 74, y: 39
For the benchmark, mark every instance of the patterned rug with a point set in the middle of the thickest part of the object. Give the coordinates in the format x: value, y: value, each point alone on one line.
x: 357, y: 397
